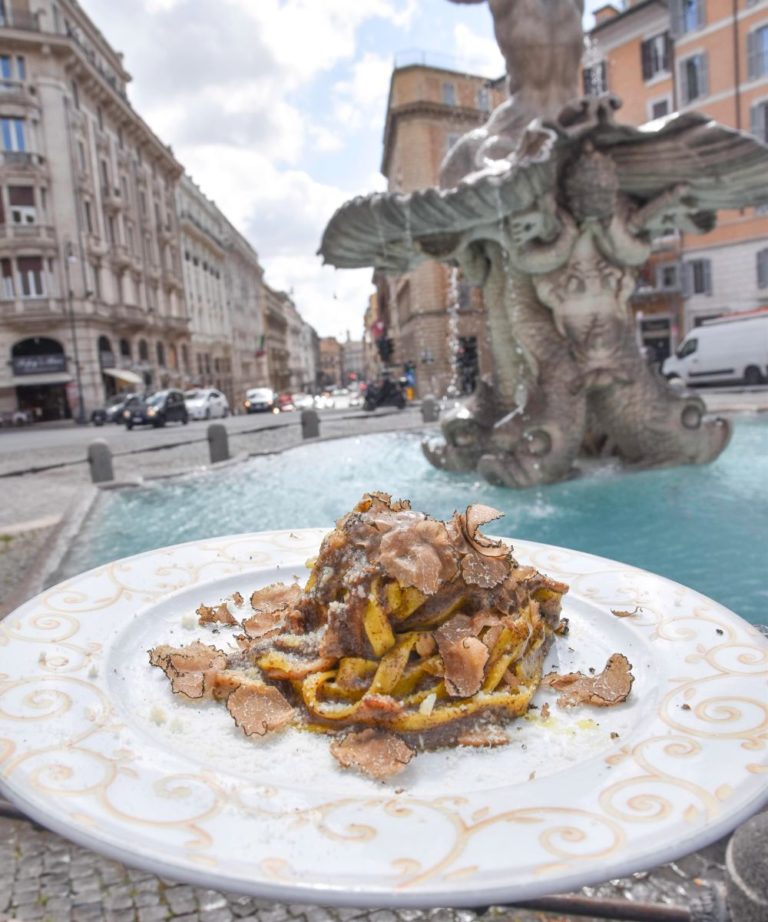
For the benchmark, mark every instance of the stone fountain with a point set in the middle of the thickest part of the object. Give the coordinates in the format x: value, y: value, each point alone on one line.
x: 552, y: 208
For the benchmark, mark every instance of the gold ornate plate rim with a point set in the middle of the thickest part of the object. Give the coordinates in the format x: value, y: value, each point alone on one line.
x: 714, y: 645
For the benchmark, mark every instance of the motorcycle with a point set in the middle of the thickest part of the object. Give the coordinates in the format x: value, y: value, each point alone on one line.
x: 384, y: 393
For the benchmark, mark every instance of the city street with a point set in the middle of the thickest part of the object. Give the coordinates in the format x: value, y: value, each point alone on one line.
x: 32, y: 448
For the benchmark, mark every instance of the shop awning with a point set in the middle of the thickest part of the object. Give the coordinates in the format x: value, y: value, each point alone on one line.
x: 54, y: 377
x: 122, y: 374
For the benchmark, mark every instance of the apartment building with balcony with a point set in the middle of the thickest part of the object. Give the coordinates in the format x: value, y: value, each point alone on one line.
x: 429, y: 109
x: 91, y: 299
x: 710, y: 56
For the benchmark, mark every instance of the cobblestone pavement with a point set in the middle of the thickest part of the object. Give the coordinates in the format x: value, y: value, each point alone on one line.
x: 44, y: 878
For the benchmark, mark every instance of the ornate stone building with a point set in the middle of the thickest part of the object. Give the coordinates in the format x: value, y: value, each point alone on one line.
x: 429, y: 109
x: 92, y: 296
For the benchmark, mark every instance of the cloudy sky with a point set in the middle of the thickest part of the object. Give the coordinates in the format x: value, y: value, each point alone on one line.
x: 276, y: 109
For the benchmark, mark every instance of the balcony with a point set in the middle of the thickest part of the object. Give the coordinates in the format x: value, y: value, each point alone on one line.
x: 111, y: 198
x: 120, y: 256
x: 23, y: 21
x: 174, y: 324
x: 21, y: 160
x: 31, y: 313
x: 129, y: 315
x: 166, y: 233
x: 171, y: 279
x: 21, y: 236
x: 16, y: 93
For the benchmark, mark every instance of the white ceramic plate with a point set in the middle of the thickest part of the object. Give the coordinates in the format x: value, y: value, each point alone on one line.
x: 94, y: 745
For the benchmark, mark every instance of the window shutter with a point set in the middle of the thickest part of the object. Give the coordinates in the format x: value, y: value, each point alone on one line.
x: 752, y: 69
x: 603, y: 77
x: 676, y: 17
x: 645, y: 58
x: 762, y: 269
x: 684, y: 94
x: 701, y: 63
x: 701, y: 13
x: 586, y: 80
x: 667, y: 51
x: 686, y: 280
x: 706, y: 265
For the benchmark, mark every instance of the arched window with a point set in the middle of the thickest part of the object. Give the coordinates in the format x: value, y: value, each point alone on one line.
x: 161, y: 355
x: 125, y: 348
x: 143, y: 351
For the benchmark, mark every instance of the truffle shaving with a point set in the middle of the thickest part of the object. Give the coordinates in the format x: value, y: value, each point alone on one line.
x: 375, y: 753
x: 259, y: 709
x: 606, y: 689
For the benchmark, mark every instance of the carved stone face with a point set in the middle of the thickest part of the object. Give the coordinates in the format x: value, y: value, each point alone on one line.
x: 591, y: 186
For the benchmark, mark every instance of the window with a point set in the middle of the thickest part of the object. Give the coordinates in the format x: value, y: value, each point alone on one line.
x: 688, y: 348
x: 13, y: 136
x: 21, y: 67
x: 655, y: 56
x: 698, y: 277
x: 100, y: 118
x: 105, y: 174
x: 762, y: 269
x: 687, y: 16
x: 31, y: 276
x: 595, y: 79
x: 161, y: 354
x: 88, y: 216
x: 693, y: 78
x: 3, y: 20
x: 75, y: 95
x: 759, y: 121
x: 757, y: 53
x: 667, y: 276
x: 8, y: 290
x: 5, y: 66
x: 451, y: 139
x: 449, y: 94
x: 484, y: 100
x: 112, y: 230
x: 81, y: 153
x: 125, y: 348
x: 143, y: 351
x: 22, y: 202
x: 660, y: 108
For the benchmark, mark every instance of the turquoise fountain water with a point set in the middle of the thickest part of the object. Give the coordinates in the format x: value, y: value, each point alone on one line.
x: 705, y: 527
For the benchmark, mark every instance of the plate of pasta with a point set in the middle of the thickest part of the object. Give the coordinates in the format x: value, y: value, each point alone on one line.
x: 269, y: 714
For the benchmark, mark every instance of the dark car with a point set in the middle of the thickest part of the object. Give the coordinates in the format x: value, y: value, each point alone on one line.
x: 112, y: 411
x: 384, y: 393
x: 161, y: 408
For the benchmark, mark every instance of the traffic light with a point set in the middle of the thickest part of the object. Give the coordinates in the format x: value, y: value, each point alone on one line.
x: 386, y: 348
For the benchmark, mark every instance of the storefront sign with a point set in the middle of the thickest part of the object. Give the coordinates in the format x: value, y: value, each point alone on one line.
x: 39, y: 364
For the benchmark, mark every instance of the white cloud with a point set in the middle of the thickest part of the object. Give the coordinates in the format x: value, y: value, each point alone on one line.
x: 476, y: 53
x: 361, y: 101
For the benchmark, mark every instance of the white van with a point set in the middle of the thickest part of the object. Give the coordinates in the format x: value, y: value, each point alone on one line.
x: 727, y: 349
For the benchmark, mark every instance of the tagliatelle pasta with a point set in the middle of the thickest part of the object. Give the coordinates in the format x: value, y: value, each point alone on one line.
x: 410, y: 634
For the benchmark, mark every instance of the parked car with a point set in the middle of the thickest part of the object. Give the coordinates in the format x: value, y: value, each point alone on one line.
x: 303, y: 401
x: 259, y: 400
x: 323, y: 401
x: 285, y: 403
x: 112, y: 411
x: 161, y: 408
x: 384, y: 393
x: 206, y: 403
x: 730, y: 350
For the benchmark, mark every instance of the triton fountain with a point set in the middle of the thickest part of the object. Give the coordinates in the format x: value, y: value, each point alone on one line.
x: 552, y: 208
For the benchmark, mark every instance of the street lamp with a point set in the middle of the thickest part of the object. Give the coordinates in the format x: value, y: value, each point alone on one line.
x: 71, y: 258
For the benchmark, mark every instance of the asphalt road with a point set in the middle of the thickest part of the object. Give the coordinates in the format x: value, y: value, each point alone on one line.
x: 44, y: 445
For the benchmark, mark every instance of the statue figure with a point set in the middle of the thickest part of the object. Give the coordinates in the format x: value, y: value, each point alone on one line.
x: 551, y: 207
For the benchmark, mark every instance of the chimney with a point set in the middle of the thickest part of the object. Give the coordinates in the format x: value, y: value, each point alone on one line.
x: 604, y: 13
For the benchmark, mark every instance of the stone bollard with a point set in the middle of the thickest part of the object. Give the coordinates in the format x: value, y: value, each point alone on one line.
x: 430, y: 409
x: 100, y: 461
x: 746, y: 866
x: 310, y: 424
x: 218, y: 443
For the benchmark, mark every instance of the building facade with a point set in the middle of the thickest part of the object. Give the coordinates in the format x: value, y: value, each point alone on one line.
x: 704, y: 55
x: 428, y: 324
x: 330, y: 363
x: 92, y: 298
